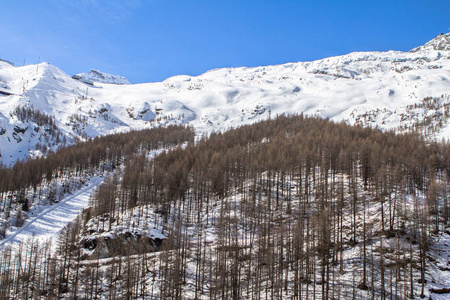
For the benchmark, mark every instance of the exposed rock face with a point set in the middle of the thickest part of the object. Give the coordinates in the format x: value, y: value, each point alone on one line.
x: 121, y: 244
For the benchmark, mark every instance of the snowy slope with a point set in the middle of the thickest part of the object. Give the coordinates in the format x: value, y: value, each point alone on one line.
x: 371, y: 88
x: 45, y: 224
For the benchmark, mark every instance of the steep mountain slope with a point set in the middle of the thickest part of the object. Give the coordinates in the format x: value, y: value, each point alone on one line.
x: 371, y: 88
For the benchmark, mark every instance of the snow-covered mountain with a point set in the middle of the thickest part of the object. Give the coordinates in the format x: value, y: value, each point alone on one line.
x: 440, y: 43
x: 99, y: 76
x: 391, y: 89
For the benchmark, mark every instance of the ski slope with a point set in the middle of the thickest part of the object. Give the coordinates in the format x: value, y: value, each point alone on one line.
x: 49, y: 222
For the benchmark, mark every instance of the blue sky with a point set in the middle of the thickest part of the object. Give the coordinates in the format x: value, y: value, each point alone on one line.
x: 151, y: 40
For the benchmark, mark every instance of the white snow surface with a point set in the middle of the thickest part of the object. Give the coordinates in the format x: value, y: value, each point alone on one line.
x: 47, y: 223
x: 340, y: 88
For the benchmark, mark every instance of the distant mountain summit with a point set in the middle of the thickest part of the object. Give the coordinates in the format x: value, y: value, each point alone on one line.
x: 439, y: 43
x: 98, y: 76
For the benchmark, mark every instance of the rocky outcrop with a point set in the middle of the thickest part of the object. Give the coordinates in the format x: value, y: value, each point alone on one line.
x: 120, y: 244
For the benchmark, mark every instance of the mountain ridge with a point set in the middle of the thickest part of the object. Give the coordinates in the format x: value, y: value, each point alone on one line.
x: 342, y: 88
x: 102, y: 77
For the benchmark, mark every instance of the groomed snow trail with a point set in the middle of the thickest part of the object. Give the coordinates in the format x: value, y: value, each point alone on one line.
x: 51, y: 220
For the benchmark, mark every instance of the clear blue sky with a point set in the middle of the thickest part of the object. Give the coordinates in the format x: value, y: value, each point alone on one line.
x: 150, y: 40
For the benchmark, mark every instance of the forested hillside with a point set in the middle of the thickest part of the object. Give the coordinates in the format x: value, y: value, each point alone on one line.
x: 287, y: 208
x: 45, y: 180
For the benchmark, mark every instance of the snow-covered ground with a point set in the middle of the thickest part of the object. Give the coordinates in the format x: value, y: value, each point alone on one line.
x: 48, y: 223
x: 206, y: 233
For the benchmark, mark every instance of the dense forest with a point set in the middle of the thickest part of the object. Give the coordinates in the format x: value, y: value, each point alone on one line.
x: 288, y: 208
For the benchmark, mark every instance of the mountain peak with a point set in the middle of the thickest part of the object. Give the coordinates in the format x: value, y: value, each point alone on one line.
x: 439, y: 43
x: 99, y: 76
